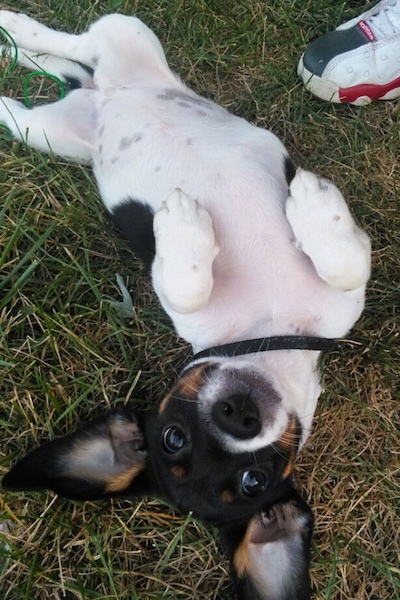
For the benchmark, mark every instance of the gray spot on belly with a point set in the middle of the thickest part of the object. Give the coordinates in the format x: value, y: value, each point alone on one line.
x: 171, y: 94
x: 126, y: 142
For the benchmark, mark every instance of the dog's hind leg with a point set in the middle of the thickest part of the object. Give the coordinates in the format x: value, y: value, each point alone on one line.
x: 325, y: 230
x: 118, y: 48
x: 185, y: 252
x: 68, y: 71
x: 64, y: 128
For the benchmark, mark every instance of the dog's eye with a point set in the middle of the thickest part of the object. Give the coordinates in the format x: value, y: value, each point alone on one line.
x: 174, y: 440
x: 254, y: 482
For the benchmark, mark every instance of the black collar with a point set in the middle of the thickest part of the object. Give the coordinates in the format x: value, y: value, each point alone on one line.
x: 280, y: 342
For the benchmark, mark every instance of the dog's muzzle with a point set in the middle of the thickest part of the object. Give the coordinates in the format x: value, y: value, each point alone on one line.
x: 237, y: 416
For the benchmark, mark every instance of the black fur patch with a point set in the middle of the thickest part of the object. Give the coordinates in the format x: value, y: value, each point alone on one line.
x: 86, y: 68
x: 135, y: 221
x: 290, y: 170
x: 73, y: 83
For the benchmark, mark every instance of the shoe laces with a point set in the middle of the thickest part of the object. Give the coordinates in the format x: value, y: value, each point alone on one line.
x: 385, y: 22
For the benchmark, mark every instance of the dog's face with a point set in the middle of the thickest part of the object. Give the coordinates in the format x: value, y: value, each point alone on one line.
x: 200, y: 444
x: 196, y: 452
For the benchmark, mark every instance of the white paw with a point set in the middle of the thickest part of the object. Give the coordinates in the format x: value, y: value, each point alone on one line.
x: 325, y: 230
x: 181, y: 220
x: 185, y: 251
x: 314, y: 201
x: 24, y: 30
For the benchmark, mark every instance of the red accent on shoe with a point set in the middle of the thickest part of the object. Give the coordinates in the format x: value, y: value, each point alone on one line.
x: 367, y: 31
x: 371, y: 90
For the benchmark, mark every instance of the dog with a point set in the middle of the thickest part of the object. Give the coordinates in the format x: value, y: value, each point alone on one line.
x: 259, y: 267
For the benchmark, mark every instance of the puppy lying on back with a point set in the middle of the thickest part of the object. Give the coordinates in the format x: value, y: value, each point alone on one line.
x: 258, y: 268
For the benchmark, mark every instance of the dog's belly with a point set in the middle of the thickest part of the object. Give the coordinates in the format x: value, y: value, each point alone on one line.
x: 148, y: 144
x: 264, y: 303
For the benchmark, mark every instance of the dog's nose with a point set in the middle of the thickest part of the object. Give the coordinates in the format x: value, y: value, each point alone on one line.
x: 238, y: 416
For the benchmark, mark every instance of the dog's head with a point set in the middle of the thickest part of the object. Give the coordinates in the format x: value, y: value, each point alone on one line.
x: 199, y: 451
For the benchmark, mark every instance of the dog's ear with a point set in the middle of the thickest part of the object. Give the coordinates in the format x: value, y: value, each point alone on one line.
x: 105, y: 458
x: 270, y: 557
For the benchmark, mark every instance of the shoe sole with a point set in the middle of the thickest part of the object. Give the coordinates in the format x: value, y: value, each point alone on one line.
x: 359, y: 95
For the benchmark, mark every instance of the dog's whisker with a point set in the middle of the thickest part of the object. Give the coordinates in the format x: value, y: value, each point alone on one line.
x: 279, y: 452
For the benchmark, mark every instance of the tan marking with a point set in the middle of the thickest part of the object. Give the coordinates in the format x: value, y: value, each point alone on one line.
x: 187, y: 387
x: 288, y: 469
x: 241, y: 557
x: 164, y: 403
x: 120, y: 482
x: 290, y: 436
x: 289, y: 442
x: 178, y: 471
x: 227, y: 497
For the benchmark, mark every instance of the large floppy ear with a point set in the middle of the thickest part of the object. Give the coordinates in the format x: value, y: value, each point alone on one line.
x: 270, y: 557
x: 105, y: 458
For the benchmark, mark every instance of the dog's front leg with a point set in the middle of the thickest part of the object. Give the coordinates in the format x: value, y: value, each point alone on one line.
x: 185, y: 252
x: 325, y: 230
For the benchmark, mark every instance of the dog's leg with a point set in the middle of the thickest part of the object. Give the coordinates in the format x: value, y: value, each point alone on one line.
x: 64, y: 127
x: 185, y: 252
x: 325, y: 230
x: 33, y: 37
x: 70, y: 72
x: 114, y: 46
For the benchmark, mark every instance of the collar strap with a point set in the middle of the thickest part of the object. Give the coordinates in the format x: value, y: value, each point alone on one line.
x: 280, y: 342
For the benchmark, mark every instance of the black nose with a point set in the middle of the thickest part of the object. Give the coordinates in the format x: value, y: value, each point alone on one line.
x: 238, y: 416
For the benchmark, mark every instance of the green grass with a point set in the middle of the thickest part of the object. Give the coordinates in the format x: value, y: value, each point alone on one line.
x: 65, y: 354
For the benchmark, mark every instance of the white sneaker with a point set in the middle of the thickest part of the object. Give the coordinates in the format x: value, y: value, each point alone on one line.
x: 359, y: 61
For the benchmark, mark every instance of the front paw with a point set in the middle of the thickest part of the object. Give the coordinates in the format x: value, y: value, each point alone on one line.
x: 326, y: 232
x: 316, y: 207
x: 185, y: 252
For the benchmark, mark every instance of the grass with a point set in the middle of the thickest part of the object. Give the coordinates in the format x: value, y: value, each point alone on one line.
x: 65, y: 354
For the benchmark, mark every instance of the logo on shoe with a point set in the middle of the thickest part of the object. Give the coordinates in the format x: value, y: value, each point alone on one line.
x: 367, y: 31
